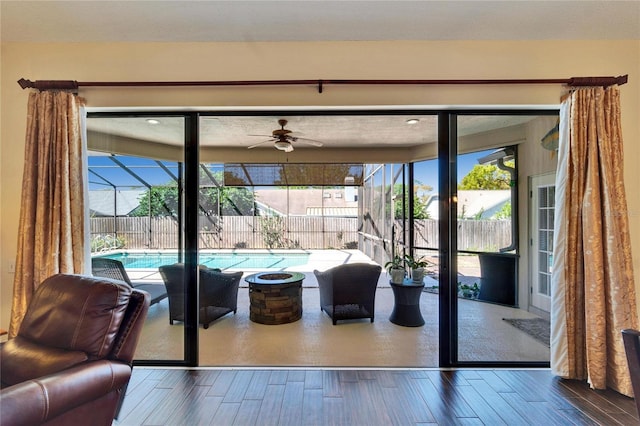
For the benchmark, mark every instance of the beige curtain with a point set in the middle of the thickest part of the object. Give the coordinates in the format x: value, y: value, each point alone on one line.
x: 593, y: 295
x: 51, y: 228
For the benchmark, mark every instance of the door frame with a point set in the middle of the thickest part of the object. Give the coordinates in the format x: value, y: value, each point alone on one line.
x: 537, y: 303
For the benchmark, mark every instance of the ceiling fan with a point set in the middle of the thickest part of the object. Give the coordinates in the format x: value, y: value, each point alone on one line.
x: 282, y: 138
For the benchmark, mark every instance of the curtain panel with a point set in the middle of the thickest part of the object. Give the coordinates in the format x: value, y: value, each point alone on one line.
x: 593, y: 290
x: 52, y: 217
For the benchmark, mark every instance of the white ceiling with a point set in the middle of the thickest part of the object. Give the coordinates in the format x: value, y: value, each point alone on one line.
x: 250, y: 21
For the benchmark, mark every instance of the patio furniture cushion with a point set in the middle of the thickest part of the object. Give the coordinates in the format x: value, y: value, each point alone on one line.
x: 348, y: 291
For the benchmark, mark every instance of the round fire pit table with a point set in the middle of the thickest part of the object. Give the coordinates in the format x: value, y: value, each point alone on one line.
x: 275, y: 297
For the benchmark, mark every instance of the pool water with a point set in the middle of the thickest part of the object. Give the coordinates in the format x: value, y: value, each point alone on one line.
x: 213, y: 260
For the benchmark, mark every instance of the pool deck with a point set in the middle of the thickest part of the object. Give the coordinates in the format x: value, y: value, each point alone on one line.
x: 318, y: 259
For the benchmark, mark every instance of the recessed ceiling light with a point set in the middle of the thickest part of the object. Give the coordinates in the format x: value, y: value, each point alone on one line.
x: 412, y: 121
x: 152, y: 121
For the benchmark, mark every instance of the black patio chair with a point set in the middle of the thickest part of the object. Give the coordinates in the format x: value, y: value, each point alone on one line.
x: 349, y: 291
x: 218, y: 292
x: 111, y: 268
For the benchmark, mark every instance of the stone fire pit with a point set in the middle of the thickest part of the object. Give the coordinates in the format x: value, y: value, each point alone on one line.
x: 275, y: 297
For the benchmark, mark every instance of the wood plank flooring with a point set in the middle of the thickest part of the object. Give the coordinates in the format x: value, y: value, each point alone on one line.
x: 366, y: 397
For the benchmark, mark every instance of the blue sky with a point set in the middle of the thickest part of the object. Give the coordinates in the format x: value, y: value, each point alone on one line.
x: 426, y: 172
x: 148, y: 170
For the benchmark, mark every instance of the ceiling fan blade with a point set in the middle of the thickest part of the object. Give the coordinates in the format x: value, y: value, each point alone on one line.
x: 259, y: 143
x: 309, y: 142
x: 264, y: 136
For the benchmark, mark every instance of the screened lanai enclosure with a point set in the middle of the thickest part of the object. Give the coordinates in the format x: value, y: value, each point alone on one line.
x: 134, y: 205
x: 241, y: 206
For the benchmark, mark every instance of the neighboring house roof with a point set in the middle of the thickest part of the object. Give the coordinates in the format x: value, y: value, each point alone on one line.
x: 265, y: 210
x: 105, y: 202
x: 472, y: 204
x: 299, y: 201
x: 331, y: 202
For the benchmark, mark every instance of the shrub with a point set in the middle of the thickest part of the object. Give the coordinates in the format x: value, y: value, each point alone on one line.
x: 107, y: 242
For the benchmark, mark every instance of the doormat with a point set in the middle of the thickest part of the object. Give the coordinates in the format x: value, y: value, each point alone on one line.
x: 538, y: 328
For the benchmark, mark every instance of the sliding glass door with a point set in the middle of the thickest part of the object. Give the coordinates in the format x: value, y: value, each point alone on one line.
x: 494, y: 324
x: 160, y: 192
x: 136, y: 217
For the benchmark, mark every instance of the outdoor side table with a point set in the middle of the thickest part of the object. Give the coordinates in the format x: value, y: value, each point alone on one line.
x: 406, y: 309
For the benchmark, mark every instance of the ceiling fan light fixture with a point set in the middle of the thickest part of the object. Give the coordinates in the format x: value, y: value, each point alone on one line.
x: 283, y: 146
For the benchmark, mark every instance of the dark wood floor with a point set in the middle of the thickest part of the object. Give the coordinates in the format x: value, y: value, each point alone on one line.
x: 367, y: 397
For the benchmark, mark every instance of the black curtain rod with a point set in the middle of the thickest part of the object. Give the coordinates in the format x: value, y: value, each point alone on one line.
x: 75, y: 85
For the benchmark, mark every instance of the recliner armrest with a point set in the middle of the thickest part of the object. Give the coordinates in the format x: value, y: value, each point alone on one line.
x: 42, y: 399
x: 22, y: 359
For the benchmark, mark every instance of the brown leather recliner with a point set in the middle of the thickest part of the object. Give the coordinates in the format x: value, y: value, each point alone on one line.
x: 71, y: 360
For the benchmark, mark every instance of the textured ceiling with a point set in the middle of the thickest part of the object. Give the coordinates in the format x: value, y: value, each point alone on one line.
x: 334, y: 131
x: 251, y: 21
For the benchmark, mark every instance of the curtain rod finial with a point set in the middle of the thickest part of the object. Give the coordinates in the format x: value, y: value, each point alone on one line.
x: 25, y: 84
x: 598, y: 81
x: 48, y: 84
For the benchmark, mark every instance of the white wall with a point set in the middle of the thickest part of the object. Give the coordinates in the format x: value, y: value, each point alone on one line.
x: 326, y: 60
x: 532, y: 161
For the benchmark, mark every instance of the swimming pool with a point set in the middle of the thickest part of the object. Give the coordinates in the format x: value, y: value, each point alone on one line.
x: 267, y: 260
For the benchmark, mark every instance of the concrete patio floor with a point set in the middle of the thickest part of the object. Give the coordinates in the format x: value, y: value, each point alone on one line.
x: 313, y: 341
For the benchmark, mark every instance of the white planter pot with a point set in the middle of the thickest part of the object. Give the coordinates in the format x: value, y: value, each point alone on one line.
x: 397, y: 275
x: 417, y: 275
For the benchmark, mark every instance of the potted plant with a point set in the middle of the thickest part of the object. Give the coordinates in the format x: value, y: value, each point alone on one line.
x: 468, y: 291
x: 417, y: 265
x: 395, y: 268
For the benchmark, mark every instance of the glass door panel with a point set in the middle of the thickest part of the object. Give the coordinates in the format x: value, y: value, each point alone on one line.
x: 494, y: 324
x: 425, y: 239
x: 542, y: 212
x: 135, y: 209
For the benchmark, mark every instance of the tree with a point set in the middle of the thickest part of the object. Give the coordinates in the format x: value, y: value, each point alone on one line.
x: 504, y: 213
x: 158, y: 201
x: 486, y: 176
x: 212, y: 200
x: 419, y: 200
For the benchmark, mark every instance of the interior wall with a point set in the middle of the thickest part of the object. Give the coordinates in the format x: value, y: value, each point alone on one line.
x: 533, y: 160
x: 322, y: 60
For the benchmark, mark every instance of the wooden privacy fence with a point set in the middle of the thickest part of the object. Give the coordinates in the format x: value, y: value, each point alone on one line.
x: 473, y: 235
x: 307, y: 232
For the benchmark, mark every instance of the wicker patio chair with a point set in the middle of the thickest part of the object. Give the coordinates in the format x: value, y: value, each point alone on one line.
x: 218, y: 292
x: 114, y: 269
x: 348, y: 291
